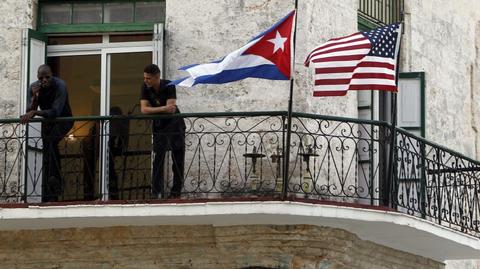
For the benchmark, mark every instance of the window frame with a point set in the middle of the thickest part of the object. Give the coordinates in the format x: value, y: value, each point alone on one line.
x: 421, y: 77
x: 94, y: 27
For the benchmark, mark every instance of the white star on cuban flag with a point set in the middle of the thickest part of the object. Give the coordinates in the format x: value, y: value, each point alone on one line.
x: 278, y: 42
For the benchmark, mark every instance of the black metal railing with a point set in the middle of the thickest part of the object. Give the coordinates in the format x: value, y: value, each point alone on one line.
x: 240, y: 156
x: 226, y: 155
x: 436, y: 183
x: 381, y: 12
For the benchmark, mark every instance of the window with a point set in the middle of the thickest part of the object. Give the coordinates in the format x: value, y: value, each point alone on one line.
x: 411, y: 102
x: 379, y: 12
x: 99, y: 16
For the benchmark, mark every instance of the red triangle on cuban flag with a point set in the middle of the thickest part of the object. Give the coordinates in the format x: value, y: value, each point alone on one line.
x: 275, y: 44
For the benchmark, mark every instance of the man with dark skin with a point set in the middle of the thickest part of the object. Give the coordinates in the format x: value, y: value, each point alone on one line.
x: 168, y: 134
x: 48, y: 98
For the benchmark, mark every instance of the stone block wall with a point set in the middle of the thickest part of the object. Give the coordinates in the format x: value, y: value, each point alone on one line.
x: 279, y: 247
x: 16, y: 15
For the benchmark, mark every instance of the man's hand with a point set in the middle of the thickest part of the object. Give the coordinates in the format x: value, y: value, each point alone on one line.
x: 26, y: 117
x: 170, y: 109
x: 35, y: 91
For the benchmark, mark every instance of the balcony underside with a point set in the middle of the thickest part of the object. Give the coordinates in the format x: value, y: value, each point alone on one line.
x: 391, y: 229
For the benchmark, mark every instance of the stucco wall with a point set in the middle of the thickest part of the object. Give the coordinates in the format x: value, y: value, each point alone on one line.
x: 16, y: 15
x: 279, y: 247
x: 202, y: 33
x: 440, y: 40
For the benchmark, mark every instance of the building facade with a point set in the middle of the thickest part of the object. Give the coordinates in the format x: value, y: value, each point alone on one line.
x: 100, y: 48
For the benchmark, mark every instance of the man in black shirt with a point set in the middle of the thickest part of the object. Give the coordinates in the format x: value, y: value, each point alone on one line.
x: 168, y: 134
x: 49, y: 94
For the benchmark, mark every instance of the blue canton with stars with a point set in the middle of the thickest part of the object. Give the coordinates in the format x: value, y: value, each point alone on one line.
x: 383, y: 40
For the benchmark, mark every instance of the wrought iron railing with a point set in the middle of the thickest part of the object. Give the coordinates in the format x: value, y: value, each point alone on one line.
x: 436, y: 183
x: 241, y: 156
x: 381, y: 12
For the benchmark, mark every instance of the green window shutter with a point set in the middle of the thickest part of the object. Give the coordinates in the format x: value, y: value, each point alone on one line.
x: 411, y: 102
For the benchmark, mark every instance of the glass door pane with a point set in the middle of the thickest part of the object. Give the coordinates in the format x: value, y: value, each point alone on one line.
x: 79, y: 150
x: 129, y: 145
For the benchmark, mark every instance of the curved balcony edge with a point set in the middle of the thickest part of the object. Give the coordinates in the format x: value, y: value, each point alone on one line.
x: 392, y: 229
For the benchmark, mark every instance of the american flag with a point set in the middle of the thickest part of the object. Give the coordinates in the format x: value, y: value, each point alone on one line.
x: 361, y: 61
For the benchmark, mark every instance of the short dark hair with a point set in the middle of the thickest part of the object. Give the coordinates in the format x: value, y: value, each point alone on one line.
x: 44, y: 67
x: 151, y: 69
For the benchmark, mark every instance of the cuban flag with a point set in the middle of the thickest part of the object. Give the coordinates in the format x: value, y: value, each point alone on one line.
x: 266, y: 56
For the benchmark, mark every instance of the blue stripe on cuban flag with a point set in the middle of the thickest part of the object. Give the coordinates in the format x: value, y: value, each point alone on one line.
x: 235, y: 66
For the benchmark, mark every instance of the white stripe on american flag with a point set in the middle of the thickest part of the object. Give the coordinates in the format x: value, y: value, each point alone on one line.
x: 374, y: 70
x: 373, y: 82
x: 332, y: 88
x: 342, y: 64
x: 333, y: 75
x: 340, y: 40
x: 341, y: 53
x: 336, y: 64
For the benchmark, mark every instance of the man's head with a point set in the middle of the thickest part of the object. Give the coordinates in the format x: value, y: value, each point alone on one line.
x: 44, y: 75
x: 151, y: 75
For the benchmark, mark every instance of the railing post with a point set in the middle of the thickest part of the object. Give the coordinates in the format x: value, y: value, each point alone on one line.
x: 439, y: 196
x: 390, y: 184
x: 371, y: 169
x: 423, y: 181
x: 103, y: 157
x: 388, y: 199
x: 287, y: 128
x: 25, y: 165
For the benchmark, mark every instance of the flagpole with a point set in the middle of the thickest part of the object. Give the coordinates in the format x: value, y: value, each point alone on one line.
x: 289, y: 115
x: 393, y: 133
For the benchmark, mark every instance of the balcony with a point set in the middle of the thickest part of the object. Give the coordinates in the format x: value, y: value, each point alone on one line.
x: 235, y: 166
x: 381, y: 12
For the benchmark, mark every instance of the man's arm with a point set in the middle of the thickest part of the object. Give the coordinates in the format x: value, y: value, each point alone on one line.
x: 32, y: 97
x: 32, y: 106
x: 146, y: 108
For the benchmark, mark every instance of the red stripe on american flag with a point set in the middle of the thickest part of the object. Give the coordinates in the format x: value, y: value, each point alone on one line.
x: 361, y: 38
x: 374, y: 75
x: 309, y: 57
x: 373, y: 87
x: 376, y: 64
x: 332, y: 81
x: 355, y: 47
x: 329, y: 93
x: 334, y: 70
x: 339, y: 58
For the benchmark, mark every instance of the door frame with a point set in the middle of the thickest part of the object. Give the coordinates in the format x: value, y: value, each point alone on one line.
x: 29, y: 38
x: 105, y: 50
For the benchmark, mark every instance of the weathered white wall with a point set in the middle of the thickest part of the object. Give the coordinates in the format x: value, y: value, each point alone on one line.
x: 440, y: 40
x: 203, y: 31
x: 319, y: 21
x: 207, y: 31
x: 476, y: 85
x: 16, y: 15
